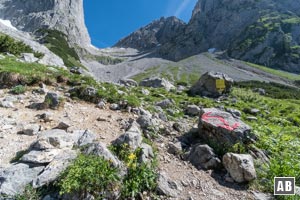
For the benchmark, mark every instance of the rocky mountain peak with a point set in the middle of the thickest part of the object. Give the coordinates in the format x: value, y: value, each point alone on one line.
x: 66, y: 16
x: 153, y: 35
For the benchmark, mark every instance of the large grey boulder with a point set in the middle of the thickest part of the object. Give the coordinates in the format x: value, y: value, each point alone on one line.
x: 55, y: 168
x: 212, y: 84
x: 132, y: 137
x: 222, y: 128
x: 85, y: 137
x: 166, y: 103
x: 40, y: 157
x: 240, y: 167
x: 165, y: 186
x: 54, y: 139
x: 203, y: 157
x: 101, y: 150
x: 157, y: 83
x: 15, y: 178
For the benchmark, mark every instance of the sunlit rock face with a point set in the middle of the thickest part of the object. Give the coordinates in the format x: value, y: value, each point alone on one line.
x: 66, y: 16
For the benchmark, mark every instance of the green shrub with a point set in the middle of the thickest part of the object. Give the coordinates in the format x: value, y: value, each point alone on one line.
x: 10, y: 45
x: 19, y: 89
x: 89, y: 174
x: 140, y: 177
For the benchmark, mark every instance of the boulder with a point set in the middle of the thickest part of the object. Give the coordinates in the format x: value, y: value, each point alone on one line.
x: 14, y: 179
x: 192, y: 110
x: 212, y: 84
x: 128, y: 82
x: 55, y: 168
x: 133, y: 137
x: 146, y: 153
x: 85, y: 137
x: 40, y: 157
x: 222, y: 128
x: 157, y: 83
x: 165, y: 186
x: 31, y: 129
x: 53, y: 139
x: 203, y: 157
x: 166, y: 103
x: 175, y: 148
x: 101, y: 150
x: 52, y: 100
x: 240, y: 167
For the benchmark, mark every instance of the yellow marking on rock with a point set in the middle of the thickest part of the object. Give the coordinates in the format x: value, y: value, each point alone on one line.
x: 220, y: 85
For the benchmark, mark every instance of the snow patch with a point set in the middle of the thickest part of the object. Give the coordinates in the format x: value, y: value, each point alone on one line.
x: 8, y: 24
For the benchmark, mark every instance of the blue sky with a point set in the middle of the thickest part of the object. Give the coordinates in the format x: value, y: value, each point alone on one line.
x: 110, y: 20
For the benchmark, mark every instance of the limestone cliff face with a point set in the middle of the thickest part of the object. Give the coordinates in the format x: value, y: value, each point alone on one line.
x: 153, y: 35
x: 261, y: 31
x: 66, y: 16
x: 265, y: 32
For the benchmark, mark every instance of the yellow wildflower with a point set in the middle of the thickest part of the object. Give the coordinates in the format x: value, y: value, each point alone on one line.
x: 132, y: 156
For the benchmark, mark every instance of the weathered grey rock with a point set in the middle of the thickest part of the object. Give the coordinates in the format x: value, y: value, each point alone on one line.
x: 164, y: 186
x: 55, y: 168
x: 240, y: 167
x: 46, y: 117
x: 146, y: 153
x: 40, y: 157
x: 128, y: 82
x: 234, y: 112
x: 192, y: 110
x: 52, y: 100
x: 203, y: 157
x: 53, y: 139
x: 82, y: 138
x: 31, y: 129
x: 157, y: 83
x: 28, y: 57
x: 165, y: 103
x: 222, y: 128
x: 6, y: 104
x: 175, y: 148
x: 63, y: 126
x: 145, y: 121
x: 101, y: 105
x: 101, y: 150
x: 207, y: 85
x: 114, y: 106
x: 132, y: 137
x: 251, y: 118
x: 15, y: 178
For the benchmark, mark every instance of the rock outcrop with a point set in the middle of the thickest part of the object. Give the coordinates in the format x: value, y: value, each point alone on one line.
x: 153, y: 35
x: 31, y: 15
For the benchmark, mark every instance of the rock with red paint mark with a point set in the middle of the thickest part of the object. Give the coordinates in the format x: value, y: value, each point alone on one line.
x: 222, y: 129
x: 240, y: 167
x: 207, y: 85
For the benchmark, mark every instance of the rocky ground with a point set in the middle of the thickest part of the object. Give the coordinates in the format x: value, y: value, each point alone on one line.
x: 184, y: 180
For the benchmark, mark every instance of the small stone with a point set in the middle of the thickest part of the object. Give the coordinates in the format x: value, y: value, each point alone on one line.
x: 114, y: 106
x: 63, y: 126
x: 31, y: 129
